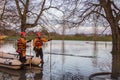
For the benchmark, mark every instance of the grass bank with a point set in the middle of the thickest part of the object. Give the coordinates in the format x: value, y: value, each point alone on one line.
x: 85, y: 38
x: 68, y: 37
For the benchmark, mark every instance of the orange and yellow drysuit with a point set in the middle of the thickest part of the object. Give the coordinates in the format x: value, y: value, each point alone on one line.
x: 21, y: 44
x: 38, y: 42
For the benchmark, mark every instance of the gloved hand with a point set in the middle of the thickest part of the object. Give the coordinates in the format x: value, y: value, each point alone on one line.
x: 29, y: 40
x: 34, y: 48
x: 49, y: 39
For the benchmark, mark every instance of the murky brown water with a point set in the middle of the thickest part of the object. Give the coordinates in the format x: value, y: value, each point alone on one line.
x: 75, y: 60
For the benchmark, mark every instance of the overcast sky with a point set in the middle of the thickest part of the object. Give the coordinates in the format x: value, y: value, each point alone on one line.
x: 80, y: 30
x: 86, y: 30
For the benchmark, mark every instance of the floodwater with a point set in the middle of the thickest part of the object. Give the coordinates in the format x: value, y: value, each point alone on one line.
x: 68, y: 60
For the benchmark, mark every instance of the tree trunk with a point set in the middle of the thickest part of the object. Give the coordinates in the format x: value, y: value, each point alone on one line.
x: 115, y: 39
x: 115, y: 51
x: 115, y: 66
x: 23, y: 27
x: 23, y: 23
x: 116, y: 44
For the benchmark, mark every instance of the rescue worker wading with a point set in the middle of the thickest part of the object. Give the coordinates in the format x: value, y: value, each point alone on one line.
x: 21, y: 45
x: 37, y: 43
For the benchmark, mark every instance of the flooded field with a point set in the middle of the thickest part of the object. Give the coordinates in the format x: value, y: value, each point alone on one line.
x: 68, y: 60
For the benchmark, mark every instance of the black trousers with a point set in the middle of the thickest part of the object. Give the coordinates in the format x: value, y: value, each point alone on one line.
x: 22, y: 59
x: 39, y: 52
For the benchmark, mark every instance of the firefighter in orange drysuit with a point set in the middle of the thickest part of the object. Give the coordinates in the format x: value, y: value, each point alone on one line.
x: 37, y: 43
x: 21, y: 45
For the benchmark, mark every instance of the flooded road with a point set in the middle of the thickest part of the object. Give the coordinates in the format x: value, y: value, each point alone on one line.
x: 68, y: 60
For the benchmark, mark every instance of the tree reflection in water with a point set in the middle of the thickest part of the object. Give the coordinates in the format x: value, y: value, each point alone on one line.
x: 70, y: 76
x: 24, y: 74
x: 59, y: 61
x: 30, y: 76
x: 5, y: 76
x: 115, y: 74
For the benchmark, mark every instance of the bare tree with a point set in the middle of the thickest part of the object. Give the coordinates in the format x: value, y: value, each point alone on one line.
x: 106, y: 11
x: 25, y: 11
x: 25, y: 14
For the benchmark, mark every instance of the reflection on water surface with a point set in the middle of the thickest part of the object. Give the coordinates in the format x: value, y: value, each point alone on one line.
x: 77, y: 61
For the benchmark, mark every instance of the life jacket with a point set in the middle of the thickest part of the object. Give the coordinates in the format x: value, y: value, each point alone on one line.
x: 20, y: 45
x: 38, y: 42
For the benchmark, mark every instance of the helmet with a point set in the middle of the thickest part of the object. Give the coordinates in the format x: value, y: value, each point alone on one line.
x: 23, y: 33
x: 38, y: 34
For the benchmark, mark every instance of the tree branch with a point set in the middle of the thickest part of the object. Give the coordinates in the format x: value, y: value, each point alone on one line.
x: 26, y: 9
x: 100, y: 14
x: 22, y: 3
x: 52, y: 7
x: 118, y: 18
x: 117, y: 14
x: 115, y: 6
x: 18, y: 8
x: 1, y: 16
x: 41, y: 11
